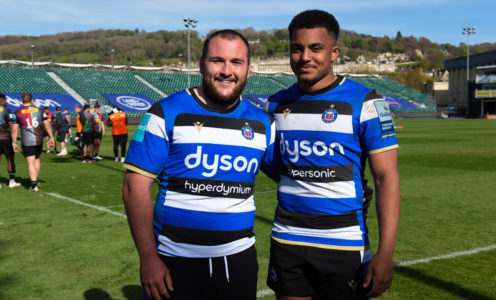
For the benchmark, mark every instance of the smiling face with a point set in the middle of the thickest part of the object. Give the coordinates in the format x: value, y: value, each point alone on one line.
x: 225, y: 70
x: 312, y: 52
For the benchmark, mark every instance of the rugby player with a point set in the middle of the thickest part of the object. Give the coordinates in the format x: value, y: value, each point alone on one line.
x: 205, y: 146
x: 99, y: 132
x: 50, y: 117
x: 61, y: 128
x: 31, y: 120
x: 8, y: 138
x: 88, y: 122
x: 327, y: 127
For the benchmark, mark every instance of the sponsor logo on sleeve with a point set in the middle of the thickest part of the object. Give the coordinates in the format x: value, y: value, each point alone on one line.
x: 385, y: 118
x: 139, y: 134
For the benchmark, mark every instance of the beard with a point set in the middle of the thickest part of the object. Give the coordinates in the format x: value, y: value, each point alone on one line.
x: 213, y: 94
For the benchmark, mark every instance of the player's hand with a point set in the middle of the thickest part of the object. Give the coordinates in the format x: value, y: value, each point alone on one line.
x: 15, y: 147
x: 155, y: 278
x: 379, y: 274
x: 367, y: 195
x: 51, y: 142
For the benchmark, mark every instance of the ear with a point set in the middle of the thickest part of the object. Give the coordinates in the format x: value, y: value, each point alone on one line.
x: 201, y: 66
x: 334, y: 53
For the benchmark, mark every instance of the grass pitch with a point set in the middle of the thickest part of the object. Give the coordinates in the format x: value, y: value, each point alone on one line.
x: 62, y: 242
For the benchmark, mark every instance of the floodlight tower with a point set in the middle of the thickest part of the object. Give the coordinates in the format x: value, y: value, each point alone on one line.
x: 32, y: 55
x: 468, y: 31
x: 189, y: 23
x: 112, y: 57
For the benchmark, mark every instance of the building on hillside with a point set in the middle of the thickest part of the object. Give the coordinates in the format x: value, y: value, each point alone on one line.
x: 471, y: 96
x: 485, y: 91
x: 438, y: 91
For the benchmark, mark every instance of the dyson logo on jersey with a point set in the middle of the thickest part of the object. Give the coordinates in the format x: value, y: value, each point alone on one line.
x: 307, y: 148
x: 224, y: 162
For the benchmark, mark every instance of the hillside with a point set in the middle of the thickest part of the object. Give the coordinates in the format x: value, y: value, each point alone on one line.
x: 170, y: 47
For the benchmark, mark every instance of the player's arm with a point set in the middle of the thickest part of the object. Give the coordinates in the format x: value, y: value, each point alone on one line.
x: 14, y: 129
x: 103, y: 128
x: 154, y: 274
x: 384, y: 167
x: 48, y: 128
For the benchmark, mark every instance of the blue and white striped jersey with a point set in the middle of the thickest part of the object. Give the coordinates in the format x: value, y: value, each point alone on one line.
x: 324, y: 139
x: 206, y: 162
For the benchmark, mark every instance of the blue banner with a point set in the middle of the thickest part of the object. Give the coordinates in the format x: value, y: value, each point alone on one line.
x: 397, y: 103
x: 130, y: 102
x: 51, y: 100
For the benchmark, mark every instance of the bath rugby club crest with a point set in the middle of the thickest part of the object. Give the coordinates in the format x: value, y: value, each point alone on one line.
x: 247, y: 132
x: 330, y: 115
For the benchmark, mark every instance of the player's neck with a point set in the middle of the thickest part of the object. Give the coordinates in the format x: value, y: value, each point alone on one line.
x: 213, y: 104
x: 311, y: 87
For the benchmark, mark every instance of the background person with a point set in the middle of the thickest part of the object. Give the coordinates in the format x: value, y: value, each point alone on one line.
x: 118, y: 121
x: 88, y: 122
x: 8, y: 138
x: 50, y: 117
x: 99, y: 131
x: 31, y: 120
x: 67, y: 117
x: 61, y: 129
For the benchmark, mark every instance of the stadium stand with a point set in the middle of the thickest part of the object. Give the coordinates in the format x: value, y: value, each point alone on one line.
x: 93, y: 84
x: 170, y: 83
x: 20, y: 80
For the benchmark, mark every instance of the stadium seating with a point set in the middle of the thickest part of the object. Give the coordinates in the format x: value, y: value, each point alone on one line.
x: 170, y: 83
x: 20, y: 80
x: 92, y: 84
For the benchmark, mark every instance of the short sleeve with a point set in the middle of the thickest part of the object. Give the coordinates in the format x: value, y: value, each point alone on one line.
x: 376, y: 125
x: 149, y: 147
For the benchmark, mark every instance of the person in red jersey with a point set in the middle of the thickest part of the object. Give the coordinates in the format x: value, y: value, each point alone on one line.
x: 32, y: 120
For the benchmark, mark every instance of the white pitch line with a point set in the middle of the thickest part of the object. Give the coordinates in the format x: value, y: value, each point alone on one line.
x: 100, y: 208
x: 447, y: 256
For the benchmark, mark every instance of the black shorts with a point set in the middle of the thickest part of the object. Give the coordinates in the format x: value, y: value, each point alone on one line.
x: 97, y: 135
x: 6, y: 148
x: 61, y: 135
x: 32, y: 150
x: 232, y: 277
x: 302, y: 271
x: 88, y: 138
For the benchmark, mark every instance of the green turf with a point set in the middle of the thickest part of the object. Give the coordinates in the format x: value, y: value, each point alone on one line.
x: 51, y: 248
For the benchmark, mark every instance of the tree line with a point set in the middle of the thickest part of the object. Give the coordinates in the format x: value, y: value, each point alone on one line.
x: 138, y: 47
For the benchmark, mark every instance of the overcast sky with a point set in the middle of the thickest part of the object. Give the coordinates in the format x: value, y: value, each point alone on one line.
x: 440, y: 21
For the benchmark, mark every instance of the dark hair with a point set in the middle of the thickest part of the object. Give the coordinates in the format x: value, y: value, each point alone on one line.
x: 97, y: 105
x: 58, y: 108
x: 313, y: 19
x: 227, y: 34
x: 86, y: 106
x: 2, y: 96
x: 26, y: 97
